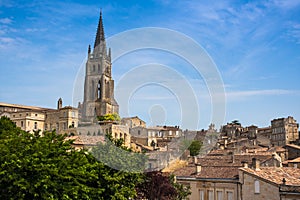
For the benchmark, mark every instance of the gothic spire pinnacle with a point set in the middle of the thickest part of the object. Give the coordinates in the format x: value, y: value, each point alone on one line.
x: 100, y: 31
x: 89, y: 49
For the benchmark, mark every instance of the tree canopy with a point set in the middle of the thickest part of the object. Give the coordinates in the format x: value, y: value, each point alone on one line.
x: 48, y: 167
x: 158, y: 185
x: 195, y: 147
x: 109, y: 117
x: 38, y: 167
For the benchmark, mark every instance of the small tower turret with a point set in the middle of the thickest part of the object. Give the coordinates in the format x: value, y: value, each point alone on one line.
x: 59, y: 104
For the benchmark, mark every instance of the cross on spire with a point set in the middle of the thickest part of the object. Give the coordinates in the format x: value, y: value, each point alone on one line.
x: 100, y: 31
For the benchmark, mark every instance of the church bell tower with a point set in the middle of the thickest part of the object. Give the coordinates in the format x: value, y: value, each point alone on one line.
x: 98, y: 85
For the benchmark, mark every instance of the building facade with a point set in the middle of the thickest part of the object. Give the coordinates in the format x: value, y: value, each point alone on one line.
x: 272, y: 183
x: 31, y: 119
x: 284, y: 131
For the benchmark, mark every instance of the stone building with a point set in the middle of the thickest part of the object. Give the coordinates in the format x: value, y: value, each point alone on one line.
x: 158, y: 136
x: 265, y: 131
x: 63, y: 119
x: 293, y: 151
x: 215, y: 175
x: 272, y: 183
x: 99, y: 85
x: 132, y: 122
x: 284, y: 131
x: 30, y: 118
x: 232, y: 130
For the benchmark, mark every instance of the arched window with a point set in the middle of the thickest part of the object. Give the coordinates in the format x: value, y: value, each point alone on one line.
x: 92, y: 90
x: 99, y: 90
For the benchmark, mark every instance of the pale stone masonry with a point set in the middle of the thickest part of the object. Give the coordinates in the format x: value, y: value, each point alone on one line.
x: 284, y: 131
x: 30, y: 118
x: 98, y: 85
x: 263, y: 183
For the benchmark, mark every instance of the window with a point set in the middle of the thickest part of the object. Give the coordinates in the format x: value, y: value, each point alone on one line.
x: 94, y: 68
x: 35, y: 125
x: 65, y: 125
x: 20, y: 115
x: 219, y: 195
x: 201, y: 194
x: 229, y: 195
x: 57, y: 126
x: 46, y: 126
x: 256, y: 187
x: 211, y: 195
x: 36, y: 114
x: 139, y: 132
x: 73, y: 124
x: 22, y: 123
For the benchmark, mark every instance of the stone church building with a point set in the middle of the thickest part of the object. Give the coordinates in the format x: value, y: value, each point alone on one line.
x: 99, y: 85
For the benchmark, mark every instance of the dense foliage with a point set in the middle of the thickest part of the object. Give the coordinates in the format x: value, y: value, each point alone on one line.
x: 195, y: 147
x: 38, y: 167
x: 158, y: 185
x: 109, y: 117
x: 35, y: 167
x: 116, y: 155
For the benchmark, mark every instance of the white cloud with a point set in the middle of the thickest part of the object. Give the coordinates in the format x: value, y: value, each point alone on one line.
x: 6, y: 20
x: 294, y: 32
x: 239, y: 95
x: 286, y: 4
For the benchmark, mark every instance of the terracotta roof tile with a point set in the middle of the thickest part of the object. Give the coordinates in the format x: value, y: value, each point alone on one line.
x: 276, y: 174
x: 86, y: 140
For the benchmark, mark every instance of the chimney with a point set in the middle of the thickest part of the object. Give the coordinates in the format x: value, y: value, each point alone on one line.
x: 245, y: 164
x: 255, y: 164
x: 232, y: 156
x: 198, y: 168
x: 274, y: 160
x: 283, y: 181
x: 195, y: 160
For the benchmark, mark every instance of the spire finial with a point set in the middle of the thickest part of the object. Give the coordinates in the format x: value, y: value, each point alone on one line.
x: 89, y: 49
x: 100, y: 31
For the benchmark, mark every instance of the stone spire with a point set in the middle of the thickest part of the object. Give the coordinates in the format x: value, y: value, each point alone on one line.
x: 89, y: 49
x: 100, y: 32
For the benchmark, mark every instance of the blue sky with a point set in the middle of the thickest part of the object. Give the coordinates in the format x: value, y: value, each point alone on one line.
x: 254, y: 44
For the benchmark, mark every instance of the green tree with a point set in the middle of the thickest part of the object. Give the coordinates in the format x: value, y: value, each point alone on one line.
x: 109, y: 117
x: 195, y: 147
x: 48, y: 167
